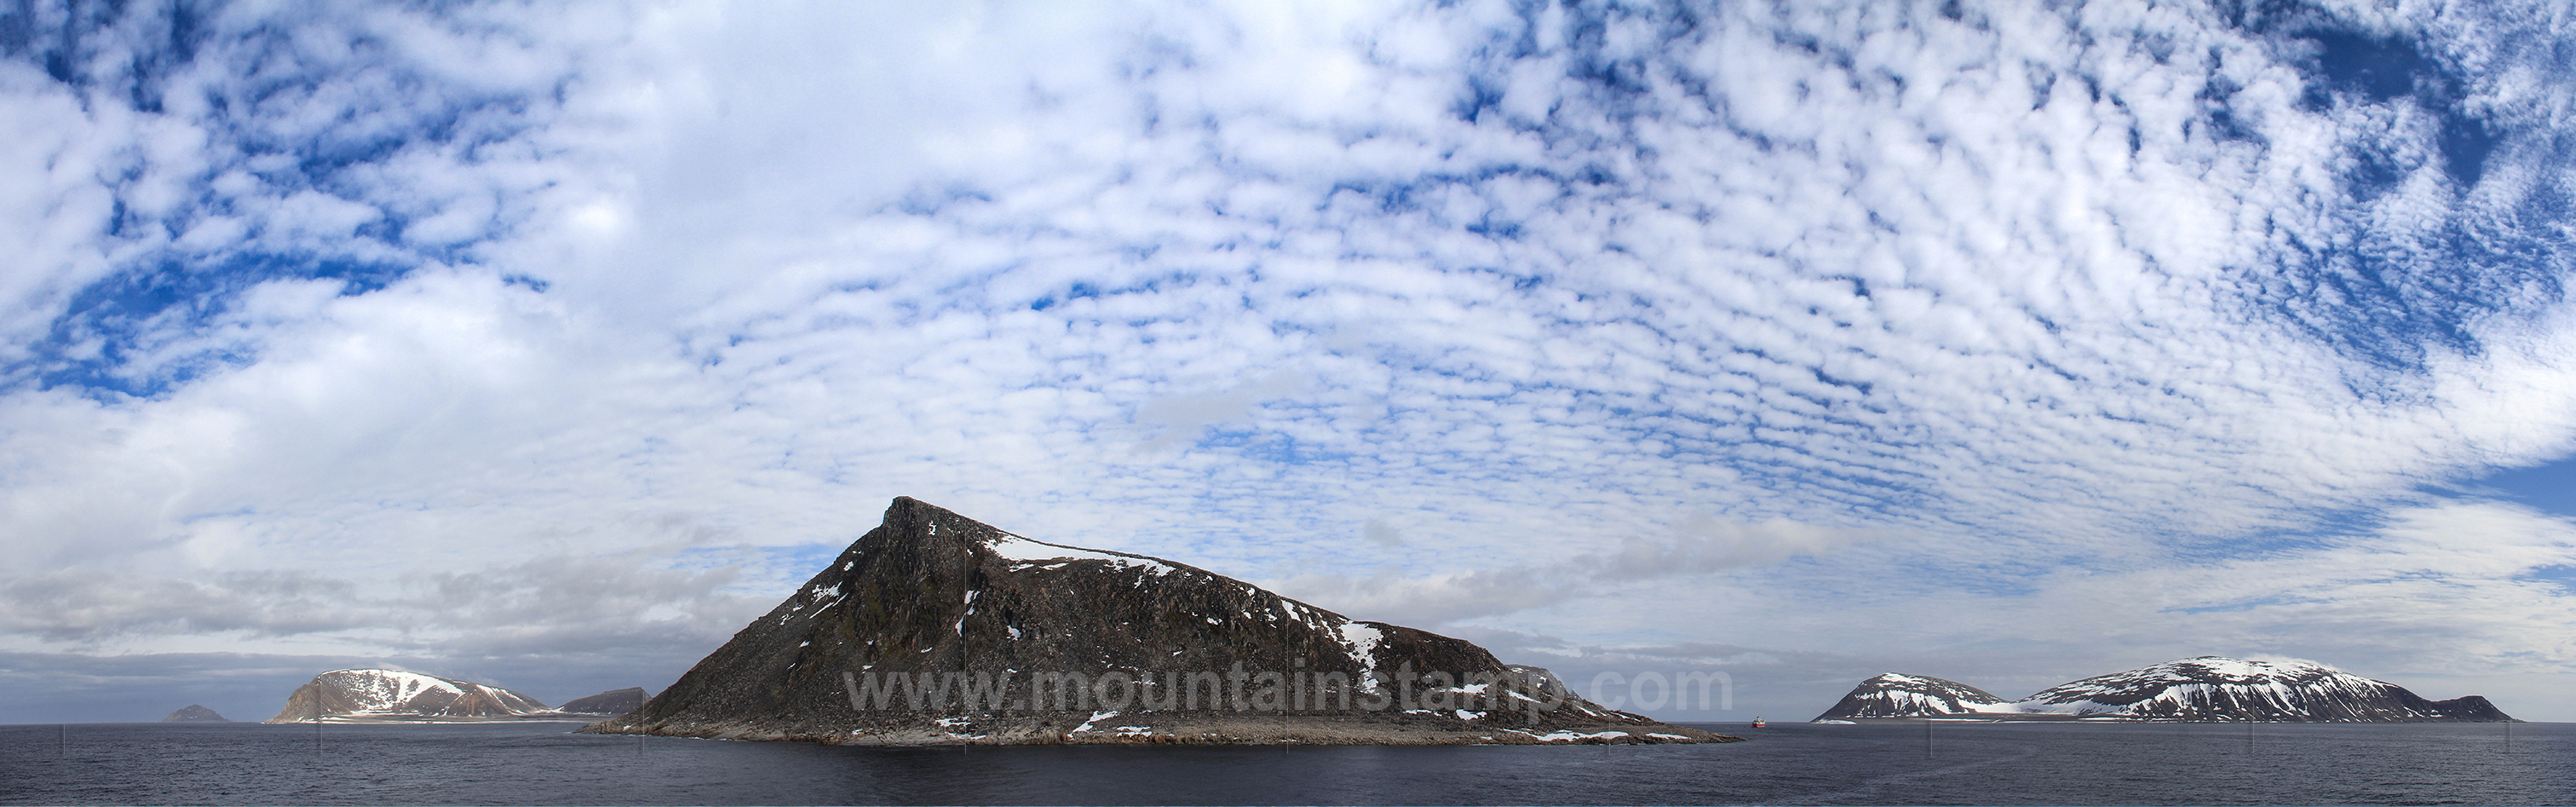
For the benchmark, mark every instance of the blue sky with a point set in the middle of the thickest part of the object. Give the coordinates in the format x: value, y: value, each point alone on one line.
x: 547, y: 344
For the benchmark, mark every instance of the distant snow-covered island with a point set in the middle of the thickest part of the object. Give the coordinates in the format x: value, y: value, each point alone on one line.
x: 402, y: 696
x: 2208, y: 689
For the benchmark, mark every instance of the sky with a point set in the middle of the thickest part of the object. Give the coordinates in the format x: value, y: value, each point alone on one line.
x: 545, y: 344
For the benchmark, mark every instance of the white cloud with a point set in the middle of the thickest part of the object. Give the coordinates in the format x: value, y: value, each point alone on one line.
x: 1444, y: 313
x: 53, y: 205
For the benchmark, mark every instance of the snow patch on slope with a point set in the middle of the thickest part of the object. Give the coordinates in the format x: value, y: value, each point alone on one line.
x: 380, y: 691
x: 1027, y: 552
x: 1362, y: 641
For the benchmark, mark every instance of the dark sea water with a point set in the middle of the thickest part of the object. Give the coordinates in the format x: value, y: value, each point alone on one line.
x: 543, y: 763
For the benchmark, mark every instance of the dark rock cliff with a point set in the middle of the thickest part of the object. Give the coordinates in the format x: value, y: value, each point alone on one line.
x: 936, y: 628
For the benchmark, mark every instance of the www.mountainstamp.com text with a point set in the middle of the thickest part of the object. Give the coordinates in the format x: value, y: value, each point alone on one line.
x: 1241, y: 690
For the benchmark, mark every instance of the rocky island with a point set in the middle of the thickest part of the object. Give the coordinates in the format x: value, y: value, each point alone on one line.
x: 398, y: 696
x: 194, y: 713
x: 2208, y: 689
x: 934, y: 628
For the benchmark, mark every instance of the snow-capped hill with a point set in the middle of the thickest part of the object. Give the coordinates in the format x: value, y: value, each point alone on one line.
x: 399, y: 693
x: 2225, y: 689
x: 2204, y: 689
x: 1900, y: 695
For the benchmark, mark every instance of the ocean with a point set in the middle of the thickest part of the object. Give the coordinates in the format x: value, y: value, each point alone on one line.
x: 544, y: 763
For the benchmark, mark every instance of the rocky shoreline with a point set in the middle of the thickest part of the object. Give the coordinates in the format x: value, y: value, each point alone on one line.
x: 409, y: 720
x: 1178, y: 729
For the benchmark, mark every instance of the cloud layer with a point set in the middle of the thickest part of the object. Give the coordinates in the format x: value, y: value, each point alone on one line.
x: 495, y: 331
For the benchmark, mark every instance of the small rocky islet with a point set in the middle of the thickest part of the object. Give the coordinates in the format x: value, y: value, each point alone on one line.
x: 195, y: 713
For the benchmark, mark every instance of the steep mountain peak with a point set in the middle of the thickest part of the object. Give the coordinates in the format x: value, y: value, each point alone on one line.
x: 934, y: 627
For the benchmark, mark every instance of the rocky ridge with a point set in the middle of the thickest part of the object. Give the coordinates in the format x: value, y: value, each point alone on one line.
x: 935, y: 628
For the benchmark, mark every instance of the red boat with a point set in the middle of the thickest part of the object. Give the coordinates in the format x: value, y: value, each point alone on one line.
x: 1757, y: 723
